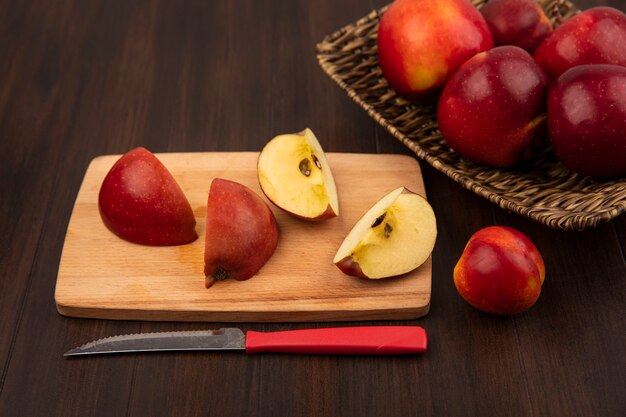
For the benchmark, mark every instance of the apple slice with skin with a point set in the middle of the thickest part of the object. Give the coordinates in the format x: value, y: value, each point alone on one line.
x: 140, y: 201
x: 241, y: 232
x: 394, y: 237
x: 294, y: 175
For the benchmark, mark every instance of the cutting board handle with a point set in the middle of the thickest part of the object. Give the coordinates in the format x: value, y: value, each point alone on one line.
x: 366, y: 340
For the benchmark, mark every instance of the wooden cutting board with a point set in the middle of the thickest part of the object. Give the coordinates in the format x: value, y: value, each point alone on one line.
x: 103, y: 276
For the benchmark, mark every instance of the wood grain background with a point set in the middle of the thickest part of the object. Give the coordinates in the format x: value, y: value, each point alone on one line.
x: 81, y: 78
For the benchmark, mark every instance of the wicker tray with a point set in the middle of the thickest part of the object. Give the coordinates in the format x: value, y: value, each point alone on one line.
x: 545, y: 192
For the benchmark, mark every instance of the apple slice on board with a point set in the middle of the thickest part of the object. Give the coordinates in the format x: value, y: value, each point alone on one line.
x: 394, y: 237
x: 241, y: 232
x: 140, y: 201
x: 294, y: 175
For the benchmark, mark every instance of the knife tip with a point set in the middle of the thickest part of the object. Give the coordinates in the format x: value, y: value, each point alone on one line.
x: 72, y: 352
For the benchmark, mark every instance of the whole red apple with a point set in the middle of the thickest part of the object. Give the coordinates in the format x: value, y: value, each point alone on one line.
x: 595, y: 36
x: 520, y: 23
x: 587, y: 119
x: 241, y: 232
x: 422, y: 42
x: 140, y: 201
x: 500, y: 271
x: 492, y: 110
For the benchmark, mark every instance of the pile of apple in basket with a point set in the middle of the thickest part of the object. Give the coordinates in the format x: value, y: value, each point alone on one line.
x: 497, y: 104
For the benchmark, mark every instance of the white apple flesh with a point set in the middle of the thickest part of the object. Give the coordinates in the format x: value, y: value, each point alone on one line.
x: 295, y: 176
x: 394, y: 237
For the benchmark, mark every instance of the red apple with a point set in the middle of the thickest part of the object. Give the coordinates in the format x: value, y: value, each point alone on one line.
x: 520, y: 23
x: 500, y: 271
x: 141, y: 202
x: 422, y: 42
x: 595, y: 36
x: 492, y: 110
x: 241, y: 232
x: 587, y: 119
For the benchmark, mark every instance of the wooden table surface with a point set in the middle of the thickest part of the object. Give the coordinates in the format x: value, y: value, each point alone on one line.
x: 84, y: 78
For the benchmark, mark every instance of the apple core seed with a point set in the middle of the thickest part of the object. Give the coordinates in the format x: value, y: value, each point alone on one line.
x: 305, y: 167
x: 379, y: 220
x: 317, y: 162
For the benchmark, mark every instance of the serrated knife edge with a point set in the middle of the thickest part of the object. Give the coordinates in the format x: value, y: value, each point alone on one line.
x: 167, y: 341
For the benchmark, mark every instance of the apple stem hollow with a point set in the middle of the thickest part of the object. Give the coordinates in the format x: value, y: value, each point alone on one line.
x: 220, y: 274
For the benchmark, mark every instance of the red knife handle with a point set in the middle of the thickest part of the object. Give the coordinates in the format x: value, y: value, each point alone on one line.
x: 368, y: 340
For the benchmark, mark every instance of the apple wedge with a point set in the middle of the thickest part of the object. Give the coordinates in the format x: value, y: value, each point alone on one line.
x: 295, y: 176
x: 141, y: 202
x: 394, y: 237
x: 241, y: 232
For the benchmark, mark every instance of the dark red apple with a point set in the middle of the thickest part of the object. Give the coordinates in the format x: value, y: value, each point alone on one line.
x: 595, y: 36
x: 520, y: 23
x: 140, y: 201
x: 587, y: 119
x: 500, y: 271
x: 422, y: 42
x: 493, y: 109
x: 241, y: 232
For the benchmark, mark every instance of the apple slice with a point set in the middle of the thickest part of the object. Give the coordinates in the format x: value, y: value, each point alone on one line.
x: 294, y: 175
x: 394, y: 237
x: 241, y: 232
x: 140, y: 201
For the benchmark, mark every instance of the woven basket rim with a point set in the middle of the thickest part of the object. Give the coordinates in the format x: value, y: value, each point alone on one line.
x: 558, y: 218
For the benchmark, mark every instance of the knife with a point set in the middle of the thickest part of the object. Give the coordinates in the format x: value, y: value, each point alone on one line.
x: 365, y: 340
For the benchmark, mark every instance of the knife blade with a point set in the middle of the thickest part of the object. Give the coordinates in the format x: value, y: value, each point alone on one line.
x: 356, y: 340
